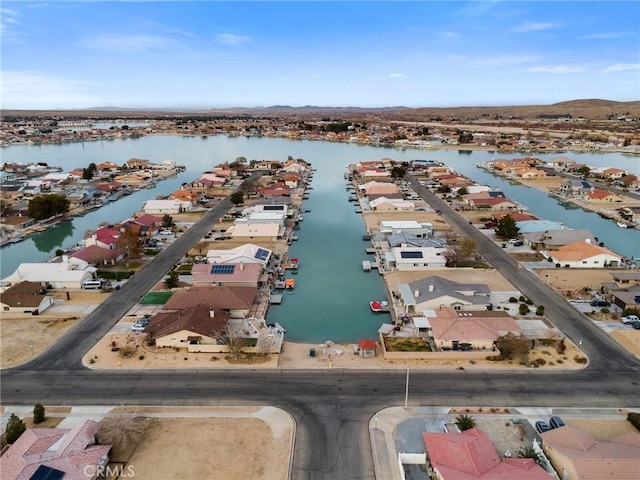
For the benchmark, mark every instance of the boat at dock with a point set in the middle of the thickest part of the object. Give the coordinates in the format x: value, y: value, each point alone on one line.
x: 289, y: 284
x: 623, y: 224
x: 377, y: 306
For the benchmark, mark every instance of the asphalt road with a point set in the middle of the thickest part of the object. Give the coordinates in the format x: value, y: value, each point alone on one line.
x: 332, y: 407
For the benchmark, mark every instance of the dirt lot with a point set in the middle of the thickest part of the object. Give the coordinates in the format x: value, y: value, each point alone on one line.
x: 564, y: 279
x: 225, y: 448
x: 492, y: 278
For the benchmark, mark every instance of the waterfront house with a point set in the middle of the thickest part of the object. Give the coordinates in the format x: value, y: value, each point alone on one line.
x: 490, y: 203
x: 577, y: 455
x: 275, y: 190
x: 104, y: 237
x: 295, y: 166
x: 528, y: 226
x: 553, y: 239
x: 25, y: 297
x: 69, y: 273
x: 197, y: 325
x: 384, y: 204
x: 480, y: 329
x: 137, y: 164
x: 471, y: 455
x: 133, y: 179
x: 107, y: 167
x: 108, y: 187
x: 227, y: 274
x: 16, y: 220
x: 583, y: 255
x: 95, y: 255
x: 268, y: 207
x: 252, y: 230
x: 515, y: 216
x: 379, y: 188
x: 411, y: 258
x: 410, y: 227
x: 600, y: 195
x: 408, y: 240
x: 56, y: 453
x: 291, y: 180
x: 433, y: 292
x: 247, y: 253
x: 367, y: 348
x: 575, y: 188
x: 265, y: 216
x: 237, y: 301
x: 170, y: 207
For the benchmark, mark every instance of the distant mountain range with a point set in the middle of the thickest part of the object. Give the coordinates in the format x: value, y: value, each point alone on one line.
x: 585, y: 108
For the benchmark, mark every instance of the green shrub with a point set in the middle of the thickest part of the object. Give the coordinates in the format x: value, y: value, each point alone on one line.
x: 513, y: 300
x: 15, y: 428
x: 38, y: 413
x: 580, y: 359
x: 540, y: 310
x: 523, y: 309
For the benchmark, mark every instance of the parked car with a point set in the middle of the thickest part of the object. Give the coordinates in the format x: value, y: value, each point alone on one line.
x: 137, y: 327
x: 599, y: 303
x: 556, y: 422
x: 636, y: 325
x: 629, y: 319
x: 542, y: 427
x: 519, y: 243
x: 513, y: 241
x: 166, y: 232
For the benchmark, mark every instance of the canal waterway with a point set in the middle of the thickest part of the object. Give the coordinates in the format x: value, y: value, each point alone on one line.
x: 332, y: 294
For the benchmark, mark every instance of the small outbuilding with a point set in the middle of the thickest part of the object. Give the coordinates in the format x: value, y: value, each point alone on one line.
x: 367, y: 348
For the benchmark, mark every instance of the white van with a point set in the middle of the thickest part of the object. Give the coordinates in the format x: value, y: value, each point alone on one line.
x: 92, y: 285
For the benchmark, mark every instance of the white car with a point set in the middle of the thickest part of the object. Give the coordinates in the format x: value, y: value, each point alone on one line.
x: 166, y: 232
x: 514, y: 240
x: 629, y: 319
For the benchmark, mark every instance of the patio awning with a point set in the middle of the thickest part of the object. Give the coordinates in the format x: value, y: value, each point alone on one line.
x: 195, y: 338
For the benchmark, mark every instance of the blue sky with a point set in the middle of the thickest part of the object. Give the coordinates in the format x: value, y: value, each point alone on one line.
x: 201, y: 54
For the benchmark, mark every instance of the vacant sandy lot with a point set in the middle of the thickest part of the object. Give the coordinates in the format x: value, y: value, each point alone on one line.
x: 372, y: 219
x: 224, y: 448
x: 565, y: 279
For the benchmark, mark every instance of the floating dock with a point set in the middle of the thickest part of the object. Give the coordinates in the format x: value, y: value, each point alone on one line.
x: 366, y: 265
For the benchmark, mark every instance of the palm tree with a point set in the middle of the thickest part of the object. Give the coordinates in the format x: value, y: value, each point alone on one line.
x: 465, y: 422
x: 529, y: 452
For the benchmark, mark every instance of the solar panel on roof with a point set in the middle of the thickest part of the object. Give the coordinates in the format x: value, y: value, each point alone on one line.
x: 262, y: 254
x: 222, y: 269
x: 46, y: 473
x: 273, y: 207
x: 409, y: 254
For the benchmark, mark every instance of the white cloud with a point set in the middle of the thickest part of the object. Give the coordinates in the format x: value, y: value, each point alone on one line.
x: 9, y: 20
x: 389, y: 76
x: 534, y: 27
x: 231, y: 40
x: 622, y: 67
x: 605, y: 36
x: 503, y: 60
x: 33, y: 89
x: 558, y: 69
x: 131, y: 43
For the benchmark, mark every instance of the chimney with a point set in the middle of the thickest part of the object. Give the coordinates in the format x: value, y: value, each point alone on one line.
x: 241, y: 266
x: 431, y: 287
x: 212, y: 313
x: 416, y: 293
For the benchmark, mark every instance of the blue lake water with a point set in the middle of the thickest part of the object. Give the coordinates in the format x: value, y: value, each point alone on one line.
x: 332, y: 293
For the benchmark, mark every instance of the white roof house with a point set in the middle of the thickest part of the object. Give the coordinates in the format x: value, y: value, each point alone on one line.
x: 247, y: 253
x: 70, y: 273
x: 262, y: 217
x: 253, y: 230
x: 167, y: 206
x: 391, y: 204
x: 406, y: 258
x: 392, y: 227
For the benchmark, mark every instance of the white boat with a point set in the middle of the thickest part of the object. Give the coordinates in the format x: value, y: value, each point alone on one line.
x: 622, y: 224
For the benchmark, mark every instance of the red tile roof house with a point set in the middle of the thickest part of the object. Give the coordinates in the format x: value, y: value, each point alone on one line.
x: 104, y: 237
x: 229, y: 275
x: 480, y: 329
x: 149, y: 224
x: 275, y: 190
x: 71, y: 451
x: 577, y: 454
x: 93, y: 254
x: 235, y: 300
x: 470, y: 455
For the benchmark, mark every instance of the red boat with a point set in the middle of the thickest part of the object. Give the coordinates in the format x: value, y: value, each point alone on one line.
x: 375, y: 306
